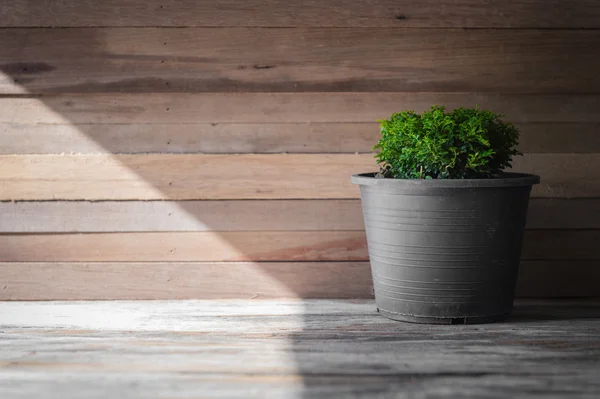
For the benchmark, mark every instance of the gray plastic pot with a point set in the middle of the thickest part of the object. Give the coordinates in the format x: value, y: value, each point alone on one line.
x: 445, y: 251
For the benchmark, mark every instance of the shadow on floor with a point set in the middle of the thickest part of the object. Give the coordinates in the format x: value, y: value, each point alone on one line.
x: 567, y: 309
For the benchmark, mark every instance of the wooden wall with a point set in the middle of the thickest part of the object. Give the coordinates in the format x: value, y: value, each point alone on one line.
x: 202, y: 149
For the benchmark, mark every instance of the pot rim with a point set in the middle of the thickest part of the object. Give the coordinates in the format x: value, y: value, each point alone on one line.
x: 507, y: 179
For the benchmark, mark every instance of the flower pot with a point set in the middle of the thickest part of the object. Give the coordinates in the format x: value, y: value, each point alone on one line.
x: 445, y: 251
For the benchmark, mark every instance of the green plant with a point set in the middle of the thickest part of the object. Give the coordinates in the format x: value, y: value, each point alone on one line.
x: 465, y: 143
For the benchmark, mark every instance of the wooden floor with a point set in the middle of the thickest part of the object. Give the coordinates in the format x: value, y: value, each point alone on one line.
x: 291, y: 349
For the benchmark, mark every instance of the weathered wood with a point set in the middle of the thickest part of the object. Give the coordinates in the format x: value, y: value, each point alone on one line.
x: 197, y: 280
x: 241, y: 215
x: 168, y: 108
x: 306, y: 349
x: 200, y: 317
x: 186, y: 176
x: 180, y: 176
x: 561, y: 244
x: 156, y: 216
x: 250, y: 246
x: 101, y: 60
x: 171, y: 246
x: 332, y: 13
x: 564, y: 214
x: 214, y: 138
x: 40, y: 281
x: 552, y: 279
x: 559, y: 138
x: 340, y: 137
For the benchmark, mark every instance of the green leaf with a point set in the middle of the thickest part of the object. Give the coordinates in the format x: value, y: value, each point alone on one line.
x: 463, y: 143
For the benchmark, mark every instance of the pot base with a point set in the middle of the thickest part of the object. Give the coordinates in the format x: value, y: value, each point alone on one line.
x: 442, y: 320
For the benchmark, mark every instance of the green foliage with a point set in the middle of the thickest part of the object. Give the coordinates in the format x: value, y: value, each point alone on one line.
x: 466, y: 143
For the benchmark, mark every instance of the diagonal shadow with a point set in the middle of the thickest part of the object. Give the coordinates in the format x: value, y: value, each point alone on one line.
x: 97, y: 60
x: 23, y: 74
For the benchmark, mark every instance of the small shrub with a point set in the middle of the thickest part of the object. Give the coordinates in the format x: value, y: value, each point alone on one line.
x: 466, y: 143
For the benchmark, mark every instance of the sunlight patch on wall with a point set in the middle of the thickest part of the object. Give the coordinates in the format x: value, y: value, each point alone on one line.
x: 23, y: 138
x: 30, y: 126
x: 9, y: 86
x: 34, y: 132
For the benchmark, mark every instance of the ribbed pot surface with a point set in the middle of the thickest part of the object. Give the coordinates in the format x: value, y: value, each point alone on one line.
x: 445, y: 251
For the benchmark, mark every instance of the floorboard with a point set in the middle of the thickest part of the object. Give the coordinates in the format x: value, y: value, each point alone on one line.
x: 292, y: 349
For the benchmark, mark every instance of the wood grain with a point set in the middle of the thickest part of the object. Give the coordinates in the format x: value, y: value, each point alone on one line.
x: 311, y: 348
x: 195, y: 280
x: 251, y: 246
x: 159, y: 60
x: 187, y: 247
x: 331, y: 13
x: 185, y: 176
x: 241, y: 215
x: 38, y: 281
x: 237, y: 138
x: 64, y: 318
x: 283, y: 107
x: 554, y: 279
x: 156, y: 216
x: 215, y: 138
x: 564, y: 214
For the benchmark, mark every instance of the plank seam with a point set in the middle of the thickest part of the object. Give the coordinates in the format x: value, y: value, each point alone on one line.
x: 321, y: 27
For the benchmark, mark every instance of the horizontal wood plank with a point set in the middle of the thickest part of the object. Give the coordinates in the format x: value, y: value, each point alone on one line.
x: 237, y: 138
x: 241, y: 215
x: 157, y: 216
x: 158, y: 60
x: 215, y: 138
x: 119, y: 281
x: 189, y: 247
x: 251, y: 246
x: 65, y: 318
x: 185, y: 176
x: 554, y: 279
x: 559, y: 138
x: 332, y: 13
x: 169, y: 108
x: 564, y: 214
x: 31, y: 281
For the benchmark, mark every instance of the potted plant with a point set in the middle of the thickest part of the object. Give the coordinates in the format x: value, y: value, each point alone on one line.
x: 444, y: 222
